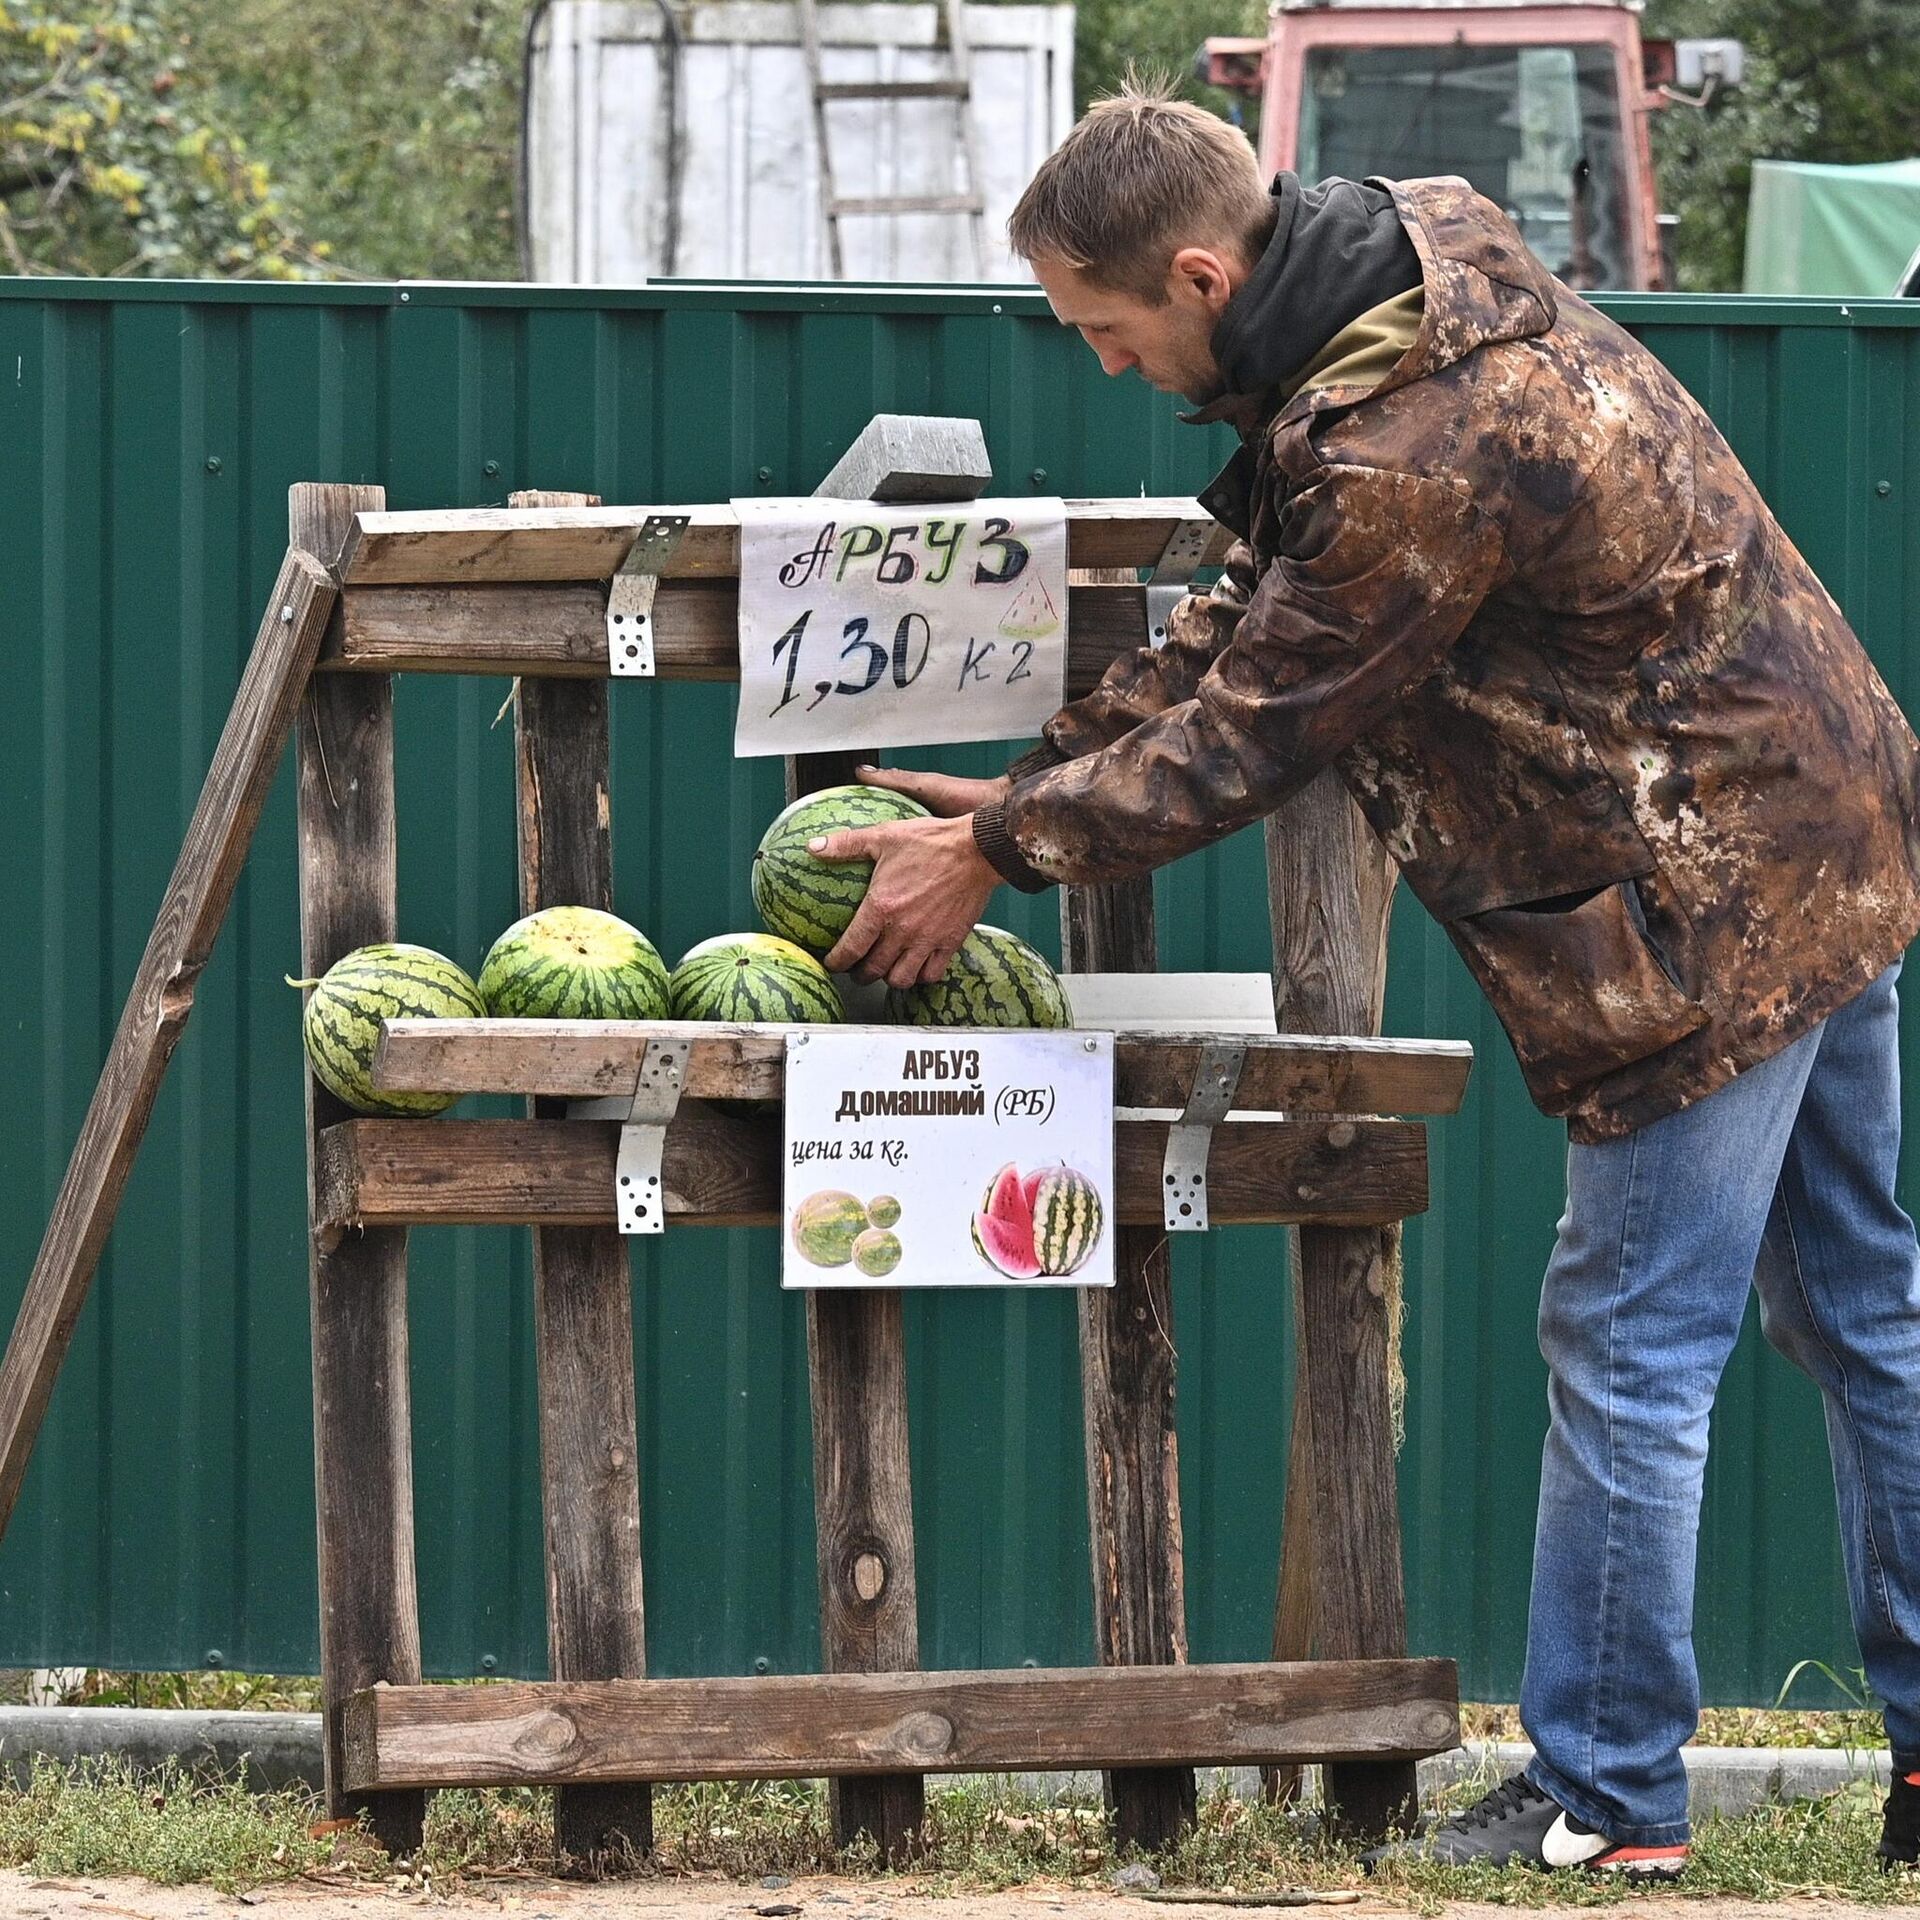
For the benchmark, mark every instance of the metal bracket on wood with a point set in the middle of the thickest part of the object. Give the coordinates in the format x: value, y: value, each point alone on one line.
x: 1191, y: 1136
x: 630, y: 598
x: 1173, y: 573
x: 639, y: 1198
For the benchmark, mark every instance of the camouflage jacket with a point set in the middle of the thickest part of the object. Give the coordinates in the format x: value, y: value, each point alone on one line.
x: 1620, y: 740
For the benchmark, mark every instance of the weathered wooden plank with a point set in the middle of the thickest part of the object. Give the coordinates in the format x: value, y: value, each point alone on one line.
x: 562, y: 630
x: 1127, y: 1371
x: 589, y: 1059
x: 158, y: 1005
x: 362, y: 1437
x: 474, y: 545
x: 797, y: 1726
x: 582, y: 1288
x: 1330, y: 890
x: 862, y: 1465
x: 723, y: 1170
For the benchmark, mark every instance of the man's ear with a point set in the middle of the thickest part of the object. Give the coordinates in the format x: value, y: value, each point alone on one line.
x: 1205, y: 273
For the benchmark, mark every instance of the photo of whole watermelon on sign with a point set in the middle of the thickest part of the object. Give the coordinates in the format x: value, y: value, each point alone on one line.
x: 574, y: 963
x: 752, y: 976
x: 995, y: 980
x: 810, y: 901
x: 827, y: 1225
x: 388, y: 981
x: 1044, y: 1223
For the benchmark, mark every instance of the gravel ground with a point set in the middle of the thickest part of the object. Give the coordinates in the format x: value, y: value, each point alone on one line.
x: 24, y: 1897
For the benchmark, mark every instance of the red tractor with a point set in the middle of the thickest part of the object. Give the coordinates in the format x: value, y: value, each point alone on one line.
x: 1543, y: 107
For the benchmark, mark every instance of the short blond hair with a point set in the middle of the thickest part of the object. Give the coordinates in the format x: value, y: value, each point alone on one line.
x: 1142, y: 175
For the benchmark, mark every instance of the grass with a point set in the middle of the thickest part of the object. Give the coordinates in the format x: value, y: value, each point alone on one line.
x: 980, y: 1836
x: 1853, y: 1730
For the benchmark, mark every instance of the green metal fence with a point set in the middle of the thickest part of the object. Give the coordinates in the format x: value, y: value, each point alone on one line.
x: 151, y: 432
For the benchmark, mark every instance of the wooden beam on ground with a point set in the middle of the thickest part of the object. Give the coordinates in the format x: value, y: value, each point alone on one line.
x: 1127, y: 1371
x: 799, y: 1726
x: 1330, y: 891
x: 723, y: 1170
x: 591, y: 1059
x: 562, y: 630
x: 362, y: 1399
x: 191, y: 912
x: 582, y: 1288
x: 472, y: 546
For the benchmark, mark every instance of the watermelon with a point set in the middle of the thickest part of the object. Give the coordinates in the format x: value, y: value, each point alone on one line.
x: 1067, y: 1218
x: 752, y: 976
x: 995, y: 980
x: 574, y: 963
x: 826, y: 1226
x: 884, y: 1210
x: 810, y: 901
x: 1045, y: 1222
x: 876, y: 1252
x: 390, y: 981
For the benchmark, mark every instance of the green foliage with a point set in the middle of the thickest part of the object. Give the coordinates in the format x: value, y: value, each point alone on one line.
x: 103, y: 1817
x: 392, y: 128
x: 1158, y: 36
x: 1826, y: 80
x: 109, y: 163
x: 980, y: 1835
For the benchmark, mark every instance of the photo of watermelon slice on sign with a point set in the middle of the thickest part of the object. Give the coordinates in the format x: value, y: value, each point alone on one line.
x: 1046, y: 1222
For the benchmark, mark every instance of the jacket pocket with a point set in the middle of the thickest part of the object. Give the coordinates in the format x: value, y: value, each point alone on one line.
x: 1547, y: 912
x: 1576, y: 983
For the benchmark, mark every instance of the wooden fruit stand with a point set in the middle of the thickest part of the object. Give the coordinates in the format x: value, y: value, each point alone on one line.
x: 525, y: 590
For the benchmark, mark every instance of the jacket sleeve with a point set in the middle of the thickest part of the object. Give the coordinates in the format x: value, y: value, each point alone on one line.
x: 1151, y: 679
x: 1376, y: 575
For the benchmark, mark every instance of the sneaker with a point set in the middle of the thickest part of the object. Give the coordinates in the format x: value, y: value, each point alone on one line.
x: 1900, y: 1836
x: 1517, y: 1822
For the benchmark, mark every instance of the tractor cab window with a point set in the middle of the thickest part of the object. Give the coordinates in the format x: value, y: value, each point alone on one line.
x: 1535, y: 129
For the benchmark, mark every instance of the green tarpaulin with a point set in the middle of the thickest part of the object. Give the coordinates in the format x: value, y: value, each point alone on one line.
x: 1831, y: 230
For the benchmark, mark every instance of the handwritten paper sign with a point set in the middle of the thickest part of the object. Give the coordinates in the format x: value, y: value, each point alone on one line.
x: 948, y: 1158
x: 871, y: 626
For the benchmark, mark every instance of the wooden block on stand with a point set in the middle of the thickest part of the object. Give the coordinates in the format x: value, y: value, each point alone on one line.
x: 903, y: 457
x: 362, y: 1402
x: 582, y: 1288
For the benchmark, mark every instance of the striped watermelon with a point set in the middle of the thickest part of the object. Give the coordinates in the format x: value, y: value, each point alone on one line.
x: 752, y: 976
x: 995, y: 980
x: 810, y: 901
x: 573, y: 963
x: 1067, y: 1217
x: 1046, y: 1222
x: 390, y: 981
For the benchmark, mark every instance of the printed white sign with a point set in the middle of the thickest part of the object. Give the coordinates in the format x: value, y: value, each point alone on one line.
x: 870, y: 626
x: 918, y: 1157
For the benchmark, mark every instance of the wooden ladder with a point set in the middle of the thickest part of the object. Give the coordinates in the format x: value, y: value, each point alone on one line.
x: 957, y: 86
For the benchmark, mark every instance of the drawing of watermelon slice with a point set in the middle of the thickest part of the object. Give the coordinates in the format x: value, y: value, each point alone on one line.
x: 1031, y: 615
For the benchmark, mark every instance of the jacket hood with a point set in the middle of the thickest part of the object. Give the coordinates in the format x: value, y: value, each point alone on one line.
x: 1479, y: 285
x: 1336, y: 258
x: 1337, y: 250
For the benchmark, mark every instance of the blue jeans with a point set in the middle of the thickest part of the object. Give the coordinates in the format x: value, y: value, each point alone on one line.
x: 1783, y: 1180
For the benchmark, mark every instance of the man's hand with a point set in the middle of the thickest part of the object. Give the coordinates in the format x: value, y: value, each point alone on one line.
x: 929, y: 885
x: 943, y: 793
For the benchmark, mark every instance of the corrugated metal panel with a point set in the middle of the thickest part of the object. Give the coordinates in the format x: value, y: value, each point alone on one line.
x: 153, y: 431
x: 628, y: 178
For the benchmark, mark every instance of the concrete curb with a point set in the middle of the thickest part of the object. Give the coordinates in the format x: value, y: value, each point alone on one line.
x: 268, y: 1750
x: 273, y: 1750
